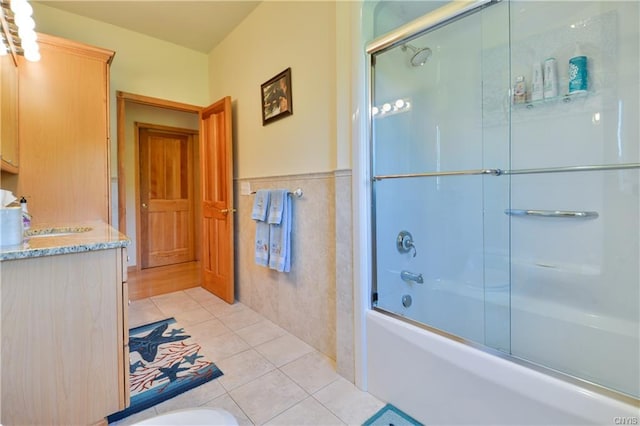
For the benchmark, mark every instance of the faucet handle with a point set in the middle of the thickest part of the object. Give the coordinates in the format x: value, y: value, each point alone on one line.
x: 404, y: 243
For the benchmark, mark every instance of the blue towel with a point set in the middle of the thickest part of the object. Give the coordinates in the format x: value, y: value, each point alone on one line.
x: 278, y: 198
x: 262, y: 243
x: 280, y: 237
x: 259, y: 214
x: 260, y: 205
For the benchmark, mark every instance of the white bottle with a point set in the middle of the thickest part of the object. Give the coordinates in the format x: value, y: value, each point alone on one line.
x: 537, y: 87
x: 26, y: 217
x: 550, y: 78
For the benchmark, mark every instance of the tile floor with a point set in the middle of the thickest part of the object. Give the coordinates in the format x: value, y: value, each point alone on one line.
x: 270, y: 376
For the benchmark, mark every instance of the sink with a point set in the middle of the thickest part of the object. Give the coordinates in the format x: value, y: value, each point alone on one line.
x: 57, y: 231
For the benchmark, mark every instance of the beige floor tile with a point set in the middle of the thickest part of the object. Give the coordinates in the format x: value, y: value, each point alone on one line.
x: 243, y: 368
x: 312, y: 371
x: 261, y: 332
x: 241, y: 318
x: 222, y: 308
x: 202, y: 296
x: 208, y: 329
x: 267, y: 396
x: 144, y: 312
x: 227, y: 403
x: 174, y: 303
x: 284, y: 349
x: 193, y: 397
x: 346, y: 401
x: 193, y: 316
x: 308, y: 412
x: 223, y: 346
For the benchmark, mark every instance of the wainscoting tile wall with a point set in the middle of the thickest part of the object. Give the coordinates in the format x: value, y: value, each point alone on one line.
x: 314, y: 301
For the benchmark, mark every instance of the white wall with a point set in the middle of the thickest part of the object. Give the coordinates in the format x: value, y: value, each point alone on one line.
x: 275, y: 36
x: 142, y: 64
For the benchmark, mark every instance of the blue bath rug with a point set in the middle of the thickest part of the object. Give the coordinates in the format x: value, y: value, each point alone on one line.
x: 164, y: 361
x: 391, y: 416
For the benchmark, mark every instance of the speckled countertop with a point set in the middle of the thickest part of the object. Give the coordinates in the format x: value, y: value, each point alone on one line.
x: 52, y: 239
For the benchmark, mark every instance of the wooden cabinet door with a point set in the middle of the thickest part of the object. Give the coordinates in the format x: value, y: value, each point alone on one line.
x: 63, y: 108
x: 60, y: 339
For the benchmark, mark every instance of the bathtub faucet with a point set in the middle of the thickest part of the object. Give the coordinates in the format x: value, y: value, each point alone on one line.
x: 410, y: 276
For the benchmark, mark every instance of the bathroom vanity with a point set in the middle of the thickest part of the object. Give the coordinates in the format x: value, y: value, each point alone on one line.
x: 64, y: 326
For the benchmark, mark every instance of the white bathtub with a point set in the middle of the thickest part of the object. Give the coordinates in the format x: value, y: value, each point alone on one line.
x: 440, y: 381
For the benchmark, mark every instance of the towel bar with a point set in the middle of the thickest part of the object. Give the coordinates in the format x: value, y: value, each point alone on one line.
x: 297, y: 192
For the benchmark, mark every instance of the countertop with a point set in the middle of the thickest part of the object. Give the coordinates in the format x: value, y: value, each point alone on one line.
x: 68, y: 238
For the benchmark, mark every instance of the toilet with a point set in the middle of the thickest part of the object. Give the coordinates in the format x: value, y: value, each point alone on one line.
x: 192, y: 416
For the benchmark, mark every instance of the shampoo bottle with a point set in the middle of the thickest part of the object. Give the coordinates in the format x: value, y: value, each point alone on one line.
x: 550, y: 78
x: 578, y: 75
x: 537, y: 88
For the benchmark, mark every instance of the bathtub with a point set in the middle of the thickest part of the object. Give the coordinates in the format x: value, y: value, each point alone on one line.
x: 439, y: 380
x: 587, y: 344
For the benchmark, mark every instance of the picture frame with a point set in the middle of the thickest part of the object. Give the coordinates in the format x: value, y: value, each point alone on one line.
x: 276, y: 98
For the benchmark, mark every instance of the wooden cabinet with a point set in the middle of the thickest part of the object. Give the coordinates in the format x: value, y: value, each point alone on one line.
x: 9, y: 114
x: 63, y: 127
x: 64, y: 353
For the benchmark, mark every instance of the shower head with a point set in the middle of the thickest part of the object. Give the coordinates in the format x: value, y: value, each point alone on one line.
x: 419, y: 55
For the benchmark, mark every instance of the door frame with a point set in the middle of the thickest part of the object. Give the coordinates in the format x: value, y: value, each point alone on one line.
x: 122, y: 99
x: 193, y: 138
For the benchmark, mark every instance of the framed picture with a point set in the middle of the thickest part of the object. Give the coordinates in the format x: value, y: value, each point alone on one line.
x: 276, y: 97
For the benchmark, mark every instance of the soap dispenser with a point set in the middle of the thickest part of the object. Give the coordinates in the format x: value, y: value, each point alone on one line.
x: 26, y: 217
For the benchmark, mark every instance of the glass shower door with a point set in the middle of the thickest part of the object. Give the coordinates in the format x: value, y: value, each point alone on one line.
x: 440, y: 117
x: 514, y: 223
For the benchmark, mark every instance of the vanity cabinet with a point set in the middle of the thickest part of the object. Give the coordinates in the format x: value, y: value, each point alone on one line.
x: 63, y: 111
x: 9, y: 114
x: 64, y: 338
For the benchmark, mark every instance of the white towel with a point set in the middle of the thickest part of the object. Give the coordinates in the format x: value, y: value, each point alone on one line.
x: 278, y: 198
x: 280, y: 237
x: 260, y: 205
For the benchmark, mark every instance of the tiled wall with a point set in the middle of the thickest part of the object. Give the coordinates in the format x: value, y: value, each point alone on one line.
x: 303, y: 301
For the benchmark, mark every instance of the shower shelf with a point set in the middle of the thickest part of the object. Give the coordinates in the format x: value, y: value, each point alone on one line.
x: 566, y: 98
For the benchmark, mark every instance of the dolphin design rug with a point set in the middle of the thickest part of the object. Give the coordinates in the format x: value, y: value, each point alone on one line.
x: 164, y: 361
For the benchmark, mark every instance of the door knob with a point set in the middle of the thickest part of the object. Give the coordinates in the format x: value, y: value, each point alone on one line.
x: 225, y: 211
x: 144, y: 205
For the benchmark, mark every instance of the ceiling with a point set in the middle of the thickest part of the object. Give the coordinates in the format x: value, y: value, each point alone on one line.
x: 197, y: 25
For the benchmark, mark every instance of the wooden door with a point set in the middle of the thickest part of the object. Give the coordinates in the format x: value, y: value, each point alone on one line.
x: 166, y: 198
x: 216, y: 159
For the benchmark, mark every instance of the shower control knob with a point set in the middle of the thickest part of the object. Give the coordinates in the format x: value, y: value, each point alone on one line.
x: 404, y: 243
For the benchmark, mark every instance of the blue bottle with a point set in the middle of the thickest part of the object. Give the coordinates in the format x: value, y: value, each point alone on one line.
x: 578, y: 75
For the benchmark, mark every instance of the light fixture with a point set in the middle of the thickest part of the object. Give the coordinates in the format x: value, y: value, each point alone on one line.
x: 18, y: 29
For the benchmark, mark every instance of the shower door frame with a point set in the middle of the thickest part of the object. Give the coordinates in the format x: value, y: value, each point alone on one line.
x: 440, y: 17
